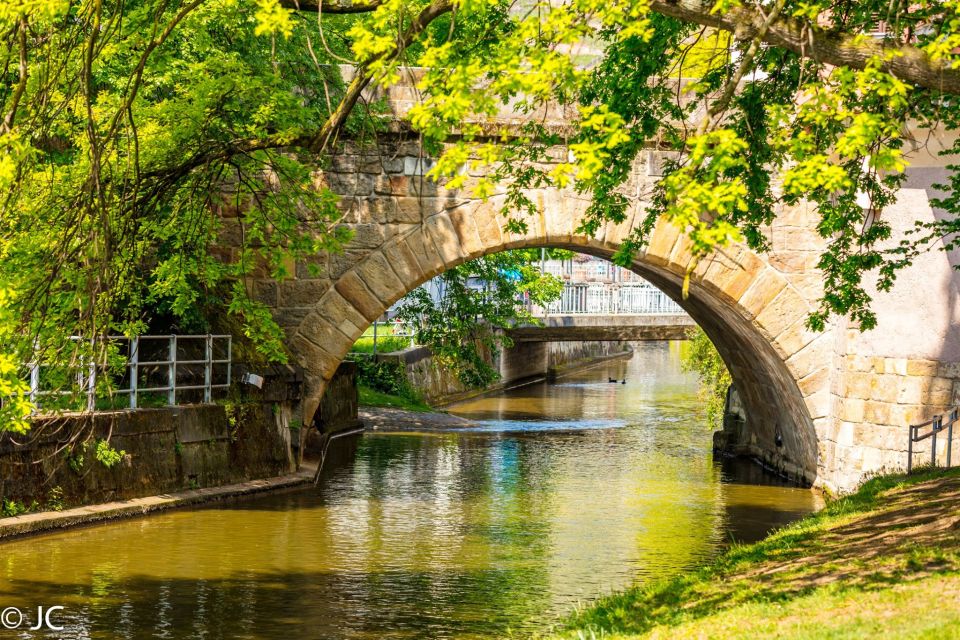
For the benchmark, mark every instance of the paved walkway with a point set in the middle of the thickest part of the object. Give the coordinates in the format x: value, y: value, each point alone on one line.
x: 50, y: 520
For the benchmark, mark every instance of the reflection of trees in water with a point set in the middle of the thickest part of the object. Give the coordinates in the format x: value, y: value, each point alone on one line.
x: 430, y: 535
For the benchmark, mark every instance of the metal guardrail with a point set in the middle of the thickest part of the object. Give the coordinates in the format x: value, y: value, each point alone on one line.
x: 88, y: 375
x: 626, y: 298
x: 936, y: 425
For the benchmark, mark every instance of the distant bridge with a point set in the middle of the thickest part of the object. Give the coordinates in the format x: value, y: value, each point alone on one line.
x: 618, y: 327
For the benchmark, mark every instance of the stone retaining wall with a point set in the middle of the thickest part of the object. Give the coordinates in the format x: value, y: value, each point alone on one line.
x: 167, y: 449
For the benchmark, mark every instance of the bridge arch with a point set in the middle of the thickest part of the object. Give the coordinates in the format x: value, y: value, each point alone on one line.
x: 753, y: 314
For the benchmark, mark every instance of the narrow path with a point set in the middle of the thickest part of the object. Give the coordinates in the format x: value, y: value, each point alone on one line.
x: 34, y: 523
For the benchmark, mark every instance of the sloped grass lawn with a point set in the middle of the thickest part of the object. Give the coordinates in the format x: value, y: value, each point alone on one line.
x: 883, y: 562
x: 373, y: 398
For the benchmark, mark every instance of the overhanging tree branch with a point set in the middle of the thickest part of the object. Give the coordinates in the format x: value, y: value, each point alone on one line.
x: 335, y: 7
x: 906, y: 62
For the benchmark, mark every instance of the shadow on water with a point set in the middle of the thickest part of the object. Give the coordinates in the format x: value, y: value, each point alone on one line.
x: 347, y: 604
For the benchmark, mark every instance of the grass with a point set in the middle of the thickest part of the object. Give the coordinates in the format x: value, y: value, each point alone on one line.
x: 883, y: 562
x: 385, y: 344
x: 373, y: 398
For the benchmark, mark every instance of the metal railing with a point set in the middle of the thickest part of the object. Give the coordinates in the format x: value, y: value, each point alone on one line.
x: 936, y: 425
x: 613, y: 299
x: 170, y: 355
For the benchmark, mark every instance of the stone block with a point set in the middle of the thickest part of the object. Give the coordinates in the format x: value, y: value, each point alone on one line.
x: 320, y: 330
x: 289, y: 318
x: 818, y: 404
x: 795, y: 337
x: 852, y: 409
x: 365, y: 236
x: 466, y: 229
x: 376, y: 273
x: 342, y: 313
x: 421, y: 245
x: 896, y: 366
x: 354, y: 291
x: 786, y: 310
x: 302, y: 293
x: 922, y: 368
x: 766, y: 286
x: 811, y: 358
x: 266, y: 291
x: 876, y: 412
x: 662, y: 240
x: 445, y: 239
x: 311, y: 267
x: 312, y: 357
x: 404, y: 263
x: 730, y: 272
x: 816, y: 381
x: 350, y: 184
x: 487, y: 218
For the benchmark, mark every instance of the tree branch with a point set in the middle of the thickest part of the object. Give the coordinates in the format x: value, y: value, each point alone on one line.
x: 334, y: 7
x: 362, y: 78
x: 908, y: 63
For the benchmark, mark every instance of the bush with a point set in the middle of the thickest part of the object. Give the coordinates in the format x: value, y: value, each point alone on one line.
x: 386, y: 377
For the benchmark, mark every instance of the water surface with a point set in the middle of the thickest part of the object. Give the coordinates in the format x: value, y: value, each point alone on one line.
x: 560, y: 493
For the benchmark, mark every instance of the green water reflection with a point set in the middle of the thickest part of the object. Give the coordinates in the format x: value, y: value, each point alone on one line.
x: 561, y: 493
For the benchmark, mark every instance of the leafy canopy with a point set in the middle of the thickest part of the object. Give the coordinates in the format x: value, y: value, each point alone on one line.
x: 131, y: 129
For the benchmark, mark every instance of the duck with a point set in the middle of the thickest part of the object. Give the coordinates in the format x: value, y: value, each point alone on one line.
x: 611, y: 380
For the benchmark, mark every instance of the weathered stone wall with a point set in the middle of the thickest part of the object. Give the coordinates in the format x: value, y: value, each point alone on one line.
x: 523, y: 361
x: 565, y: 356
x: 341, y: 401
x: 166, y: 449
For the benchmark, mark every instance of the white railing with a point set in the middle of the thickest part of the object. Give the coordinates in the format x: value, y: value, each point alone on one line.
x: 166, y: 357
x: 613, y: 299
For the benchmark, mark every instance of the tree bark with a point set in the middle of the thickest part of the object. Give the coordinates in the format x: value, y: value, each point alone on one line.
x: 905, y: 62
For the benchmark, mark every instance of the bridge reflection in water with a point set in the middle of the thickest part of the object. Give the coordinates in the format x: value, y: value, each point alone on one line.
x: 560, y: 493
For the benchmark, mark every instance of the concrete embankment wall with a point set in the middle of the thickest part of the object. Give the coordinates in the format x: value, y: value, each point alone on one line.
x: 166, y: 449
x: 524, y: 361
x: 169, y: 449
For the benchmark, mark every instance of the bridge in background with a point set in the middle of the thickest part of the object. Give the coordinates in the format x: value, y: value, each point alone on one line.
x: 623, y: 327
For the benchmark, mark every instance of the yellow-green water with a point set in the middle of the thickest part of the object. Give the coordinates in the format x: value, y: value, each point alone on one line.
x: 560, y: 493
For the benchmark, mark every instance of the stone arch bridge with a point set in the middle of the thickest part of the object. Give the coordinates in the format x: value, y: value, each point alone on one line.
x: 841, y: 400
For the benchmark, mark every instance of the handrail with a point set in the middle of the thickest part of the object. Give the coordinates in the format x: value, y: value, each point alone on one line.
x: 621, y: 298
x: 936, y: 424
x: 87, y: 374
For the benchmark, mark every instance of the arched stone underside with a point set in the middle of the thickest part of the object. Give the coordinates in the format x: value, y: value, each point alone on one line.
x: 753, y: 313
x: 842, y: 400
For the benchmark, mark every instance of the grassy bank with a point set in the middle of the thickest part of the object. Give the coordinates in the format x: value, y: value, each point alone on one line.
x: 373, y: 398
x: 881, y: 563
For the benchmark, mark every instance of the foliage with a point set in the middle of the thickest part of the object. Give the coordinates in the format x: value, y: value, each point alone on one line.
x: 701, y: 357
x: 385, y: 376
x: 107, y: 455
x: 478, y: 301
x: 127, y: 129
x: 803, y: 596
x: 385, y: 344
x: 372, y: 398
x: 13, y: 508
x: 134, y: 134
x: 55, y: 500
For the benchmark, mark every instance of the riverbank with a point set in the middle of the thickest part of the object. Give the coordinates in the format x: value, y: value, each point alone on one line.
x: 882, y: 562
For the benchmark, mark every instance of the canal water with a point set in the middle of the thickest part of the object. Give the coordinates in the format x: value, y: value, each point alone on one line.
x: 556, y: 494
